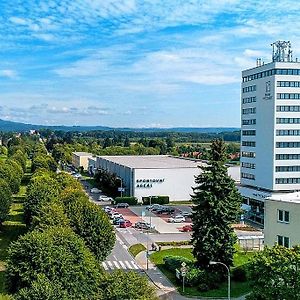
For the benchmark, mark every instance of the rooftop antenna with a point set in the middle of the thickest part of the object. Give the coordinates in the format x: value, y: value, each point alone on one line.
x: 281, y: 51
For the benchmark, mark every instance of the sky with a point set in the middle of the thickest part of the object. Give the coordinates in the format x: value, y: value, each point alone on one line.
x: 135, y: 63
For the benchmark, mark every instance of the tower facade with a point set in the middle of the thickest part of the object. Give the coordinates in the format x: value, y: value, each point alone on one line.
x: 270, y: 129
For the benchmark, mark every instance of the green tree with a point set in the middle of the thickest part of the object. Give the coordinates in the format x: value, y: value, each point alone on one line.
x: 58, y: 254
x: 107, y: 142
x: 41, y: 190
x: 5, y: 200
x: 274, y: 274
x: 11, y: 175
x: 20, y: 157
x: 90, y: 222
x: 217, y: 205
x: 128, y: 285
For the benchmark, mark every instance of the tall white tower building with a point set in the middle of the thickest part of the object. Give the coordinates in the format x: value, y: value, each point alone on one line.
x: 270, y: 130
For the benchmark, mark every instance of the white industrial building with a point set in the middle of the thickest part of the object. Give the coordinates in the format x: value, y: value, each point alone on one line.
x: 156, y: 175
x: 81, y: 159
x: 270, y: 131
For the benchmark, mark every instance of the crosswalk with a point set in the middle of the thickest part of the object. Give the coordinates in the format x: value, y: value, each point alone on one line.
x: 125, y: 265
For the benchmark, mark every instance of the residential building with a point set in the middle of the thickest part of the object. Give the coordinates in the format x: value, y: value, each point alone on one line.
x: 270, y: 129
x: 80, y: 159
x: 282, y: 220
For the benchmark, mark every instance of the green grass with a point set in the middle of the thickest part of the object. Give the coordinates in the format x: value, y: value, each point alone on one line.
x: 11, y: 229
x: 136, y: 249
x: 183, y: 202
x: 237, y: 288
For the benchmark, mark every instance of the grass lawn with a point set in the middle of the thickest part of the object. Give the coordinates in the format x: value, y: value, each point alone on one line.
x: 237, y: 288
x: 10, y: 231
x: 136, y: 249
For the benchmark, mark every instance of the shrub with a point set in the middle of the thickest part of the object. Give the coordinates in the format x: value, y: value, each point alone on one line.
x: 129, y: 200
x: 58, y: 254
x: 174, y: 262
x: 5, y: 200
x: 174, y: 244
x: 239, y: 273
x: 193, y: 276
x: 156, y: 200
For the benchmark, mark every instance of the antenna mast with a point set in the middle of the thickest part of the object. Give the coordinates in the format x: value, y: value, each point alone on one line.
x: 282, y: 51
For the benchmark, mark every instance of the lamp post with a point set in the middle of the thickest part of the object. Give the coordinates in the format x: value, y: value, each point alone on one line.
x: 150, y: 221
x: 228, y: 273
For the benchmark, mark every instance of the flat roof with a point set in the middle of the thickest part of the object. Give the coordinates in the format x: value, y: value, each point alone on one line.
x: 288, y: 197
x: 154, y: 161
x: 82, y: 153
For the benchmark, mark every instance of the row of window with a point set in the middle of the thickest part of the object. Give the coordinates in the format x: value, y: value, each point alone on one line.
x: 288, y: 108
x: 248, y: 176
x: 287, y: 180
x: 248, y: 132
x: 288, y: 169
x: 288, y: 83
x: 288, y: 145
x: 248, y: 154
x: 250, y: 88
x: 287, y: 156
x: 248, y: 165
x: 271, y: 73
x: 288, y: 120
x: 287, y: 132
x: 283, y: 216
x: 249, y: 122
x: 288, y: 96
x: 250, y: 110
x: 249, y: 100
x: 248, y: 144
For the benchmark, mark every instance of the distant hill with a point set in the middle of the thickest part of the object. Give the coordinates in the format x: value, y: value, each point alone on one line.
x: 22, y: 127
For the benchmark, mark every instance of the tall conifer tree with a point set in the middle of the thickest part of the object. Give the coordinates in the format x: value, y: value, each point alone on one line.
x: 217, y: 205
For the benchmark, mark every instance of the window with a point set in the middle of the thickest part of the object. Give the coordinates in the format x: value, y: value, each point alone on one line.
x: 249, y: 100
x: 250, y: 110
x: 248, y: 176
x: 249, y: 122
x: 288, y: 145
x: 271, y: 73
x: 288, y: 83
x: 248, y: 132
x: 248, y: 154
x: 287, y: 132
x: 250, y: 88
x: 287, y: 156
x: 288, y: 96
x: 287, y: 180
x: 283, y: 216
x: 248, y: 165
x: 288, y: 108
x: 287, y: 169
x: 283, y: 241
x: 248, y: 144
x: 288, y: 120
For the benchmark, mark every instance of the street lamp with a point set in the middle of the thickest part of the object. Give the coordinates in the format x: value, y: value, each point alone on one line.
x: 147, y: 252
x: 228, y: 273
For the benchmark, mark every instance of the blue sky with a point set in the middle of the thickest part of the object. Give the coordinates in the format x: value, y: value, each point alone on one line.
x: 135, y: 63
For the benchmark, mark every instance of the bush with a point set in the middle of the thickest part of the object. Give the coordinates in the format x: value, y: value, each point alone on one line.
x: 174, y: 244
x: 58, y: 254
x: 5, y: 200
x: 174, y: 262
x: 129, y: 200
x: 239, y: 273
x: 193, y: 276
x: 156, y: 200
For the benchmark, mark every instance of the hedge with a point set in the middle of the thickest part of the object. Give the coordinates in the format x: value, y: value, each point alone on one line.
x: 129, y: 200
x: 174, y: 244
x: 156, y: 200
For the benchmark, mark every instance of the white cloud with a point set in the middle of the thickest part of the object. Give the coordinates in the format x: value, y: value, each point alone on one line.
x: 18, y: 21
x: 11, y: 74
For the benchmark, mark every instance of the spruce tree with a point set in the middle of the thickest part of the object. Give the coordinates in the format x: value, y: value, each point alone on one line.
x: 217, y: 205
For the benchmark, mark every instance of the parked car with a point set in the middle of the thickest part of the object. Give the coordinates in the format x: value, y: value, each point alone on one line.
x: 109, y: 209
x: 150, y: 207
x: 95, y: 190
x: 156, y: 208
x: 143, y: 225
x: 105, y: 198
x: 77, y: 175
x: 122, y: 205
x: 187, y: 228
x: 177, y: 219
x: 115, y: 214
x: 125, y: 223
x: 186, y: 214
x: 165, y: 210
x: 116, y: 221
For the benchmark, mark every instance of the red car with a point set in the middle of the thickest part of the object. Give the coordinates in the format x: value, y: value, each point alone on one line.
x: 187, y: 228
x: 125, y: 223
